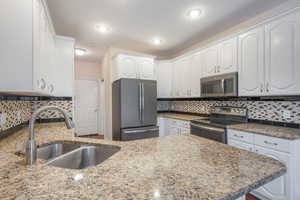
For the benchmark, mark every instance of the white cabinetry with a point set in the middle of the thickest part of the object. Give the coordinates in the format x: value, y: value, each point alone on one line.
x: 64, y: 67
x: 194, y: 75
x: 180, y: 78
x: 164, y: 73
x: 286, y: 151
x: 228, y: 56
x: 220, y: 58
x: 133, y: 67
x: 28, y: 58
x: 268, y: 61
x: 211, y: 61
x: 169, y: 126
x: 251, y: 63
x: 282, y: 56
x: 186, y: 76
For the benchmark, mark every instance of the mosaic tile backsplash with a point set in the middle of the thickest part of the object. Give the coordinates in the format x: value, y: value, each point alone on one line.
x: 17, y: 112
x: 260, y: 110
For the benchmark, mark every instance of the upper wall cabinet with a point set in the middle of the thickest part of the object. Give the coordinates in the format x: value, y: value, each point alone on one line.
x: 134, y: 67
x: 164, y: 71
x: 64, y: 64
x: 220, y: 58
x: 278, y: 43
x: 228, y: 56
x: 211, y: 61
x: 251, y: 63
x: 194, y: 75
x: 28, y: 48
x: 282, y: 56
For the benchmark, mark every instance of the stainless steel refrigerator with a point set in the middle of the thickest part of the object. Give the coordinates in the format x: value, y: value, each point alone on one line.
x: 134, y: 109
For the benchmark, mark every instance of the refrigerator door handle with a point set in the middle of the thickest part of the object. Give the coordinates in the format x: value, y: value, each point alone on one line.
x: 140, y: 101
x: 143, y: 102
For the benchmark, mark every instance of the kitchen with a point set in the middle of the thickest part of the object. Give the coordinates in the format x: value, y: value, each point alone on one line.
x: 199, y: 100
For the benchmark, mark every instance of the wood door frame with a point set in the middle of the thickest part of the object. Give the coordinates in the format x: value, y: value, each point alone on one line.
x: 99, y: 106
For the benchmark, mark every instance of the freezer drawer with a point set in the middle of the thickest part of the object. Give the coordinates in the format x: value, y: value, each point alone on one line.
x: 139, y: 133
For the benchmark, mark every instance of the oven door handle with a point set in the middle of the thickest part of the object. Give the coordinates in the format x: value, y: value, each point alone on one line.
x: 220, y: 130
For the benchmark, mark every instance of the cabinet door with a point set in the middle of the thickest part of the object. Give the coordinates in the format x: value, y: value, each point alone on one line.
x: 146, y: 68
x: 211, y: 60
x: 282, y: 56
x: 228, y: 56
x: 278, y: 189
x: 184, y: 79
x: 194, y: 74
x: 176, y: 79
x: 127, y: 67
x: 164, y: 79
x: 37, y: 54
x: 251, y: 63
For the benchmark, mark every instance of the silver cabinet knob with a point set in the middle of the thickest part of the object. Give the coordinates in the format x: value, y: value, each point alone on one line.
x: 43, y: 84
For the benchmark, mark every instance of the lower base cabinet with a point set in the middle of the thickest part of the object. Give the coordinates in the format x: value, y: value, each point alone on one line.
x: 286, y: 151
x: 168, y: 126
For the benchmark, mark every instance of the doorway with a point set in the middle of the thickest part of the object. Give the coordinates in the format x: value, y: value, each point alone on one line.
x: 87, y: 103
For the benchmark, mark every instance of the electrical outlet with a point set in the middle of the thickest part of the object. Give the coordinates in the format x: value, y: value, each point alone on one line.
x: 2, y: 118
x: 286, y: 113
x: 18, y: 115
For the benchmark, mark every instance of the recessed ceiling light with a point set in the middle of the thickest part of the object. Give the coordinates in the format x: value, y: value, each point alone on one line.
x: 80, y: 52
x: 103, y: 28
x: 157, y: 41
x: 194, y: 14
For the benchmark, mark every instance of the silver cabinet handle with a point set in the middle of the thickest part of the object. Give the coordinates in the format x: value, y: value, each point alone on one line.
x: 43, y: 84
x: 267, y: 87
x: 270, y: 143
x: 238, y: 136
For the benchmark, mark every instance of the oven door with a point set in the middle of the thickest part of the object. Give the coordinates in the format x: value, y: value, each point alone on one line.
x: 209, y: 132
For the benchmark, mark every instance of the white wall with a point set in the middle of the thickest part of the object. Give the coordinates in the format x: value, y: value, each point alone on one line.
x: 87, y: 70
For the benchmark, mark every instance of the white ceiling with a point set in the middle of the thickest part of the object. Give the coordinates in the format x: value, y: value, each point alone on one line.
x: 135, y: 22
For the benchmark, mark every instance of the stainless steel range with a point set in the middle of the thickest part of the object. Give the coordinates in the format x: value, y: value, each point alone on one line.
x: 215, y: 126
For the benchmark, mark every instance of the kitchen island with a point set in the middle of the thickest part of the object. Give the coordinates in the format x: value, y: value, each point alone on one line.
x: 171, y: 167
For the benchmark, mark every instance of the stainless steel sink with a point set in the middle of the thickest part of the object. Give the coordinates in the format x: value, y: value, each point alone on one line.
x: 54, y: 150
x: 84, y: 157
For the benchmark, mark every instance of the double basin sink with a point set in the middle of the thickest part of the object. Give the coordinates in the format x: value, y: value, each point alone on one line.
x: 75, y: 156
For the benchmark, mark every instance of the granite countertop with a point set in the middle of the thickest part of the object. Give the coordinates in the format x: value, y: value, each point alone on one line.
x: 187, y: 117
x: 268, y: 130
x: 165, y: 168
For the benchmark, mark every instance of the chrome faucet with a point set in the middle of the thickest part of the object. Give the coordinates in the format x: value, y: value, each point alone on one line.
x: 31, y: 148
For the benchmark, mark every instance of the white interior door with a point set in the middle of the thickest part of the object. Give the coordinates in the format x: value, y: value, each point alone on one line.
x: 87, y: 107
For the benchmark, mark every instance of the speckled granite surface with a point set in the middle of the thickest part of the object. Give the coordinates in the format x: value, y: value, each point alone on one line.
x: 274, y: 131
x: 167, y: 168
x: 186, y: 117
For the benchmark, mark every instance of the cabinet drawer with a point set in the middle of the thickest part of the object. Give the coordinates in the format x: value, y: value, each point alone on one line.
x: 184, y: 124
x: 272, y: 143
x: 241, y: 136
x: 241, y: 145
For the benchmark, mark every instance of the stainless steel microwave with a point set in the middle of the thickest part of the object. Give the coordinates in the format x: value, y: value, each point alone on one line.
x: 220, y: 86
